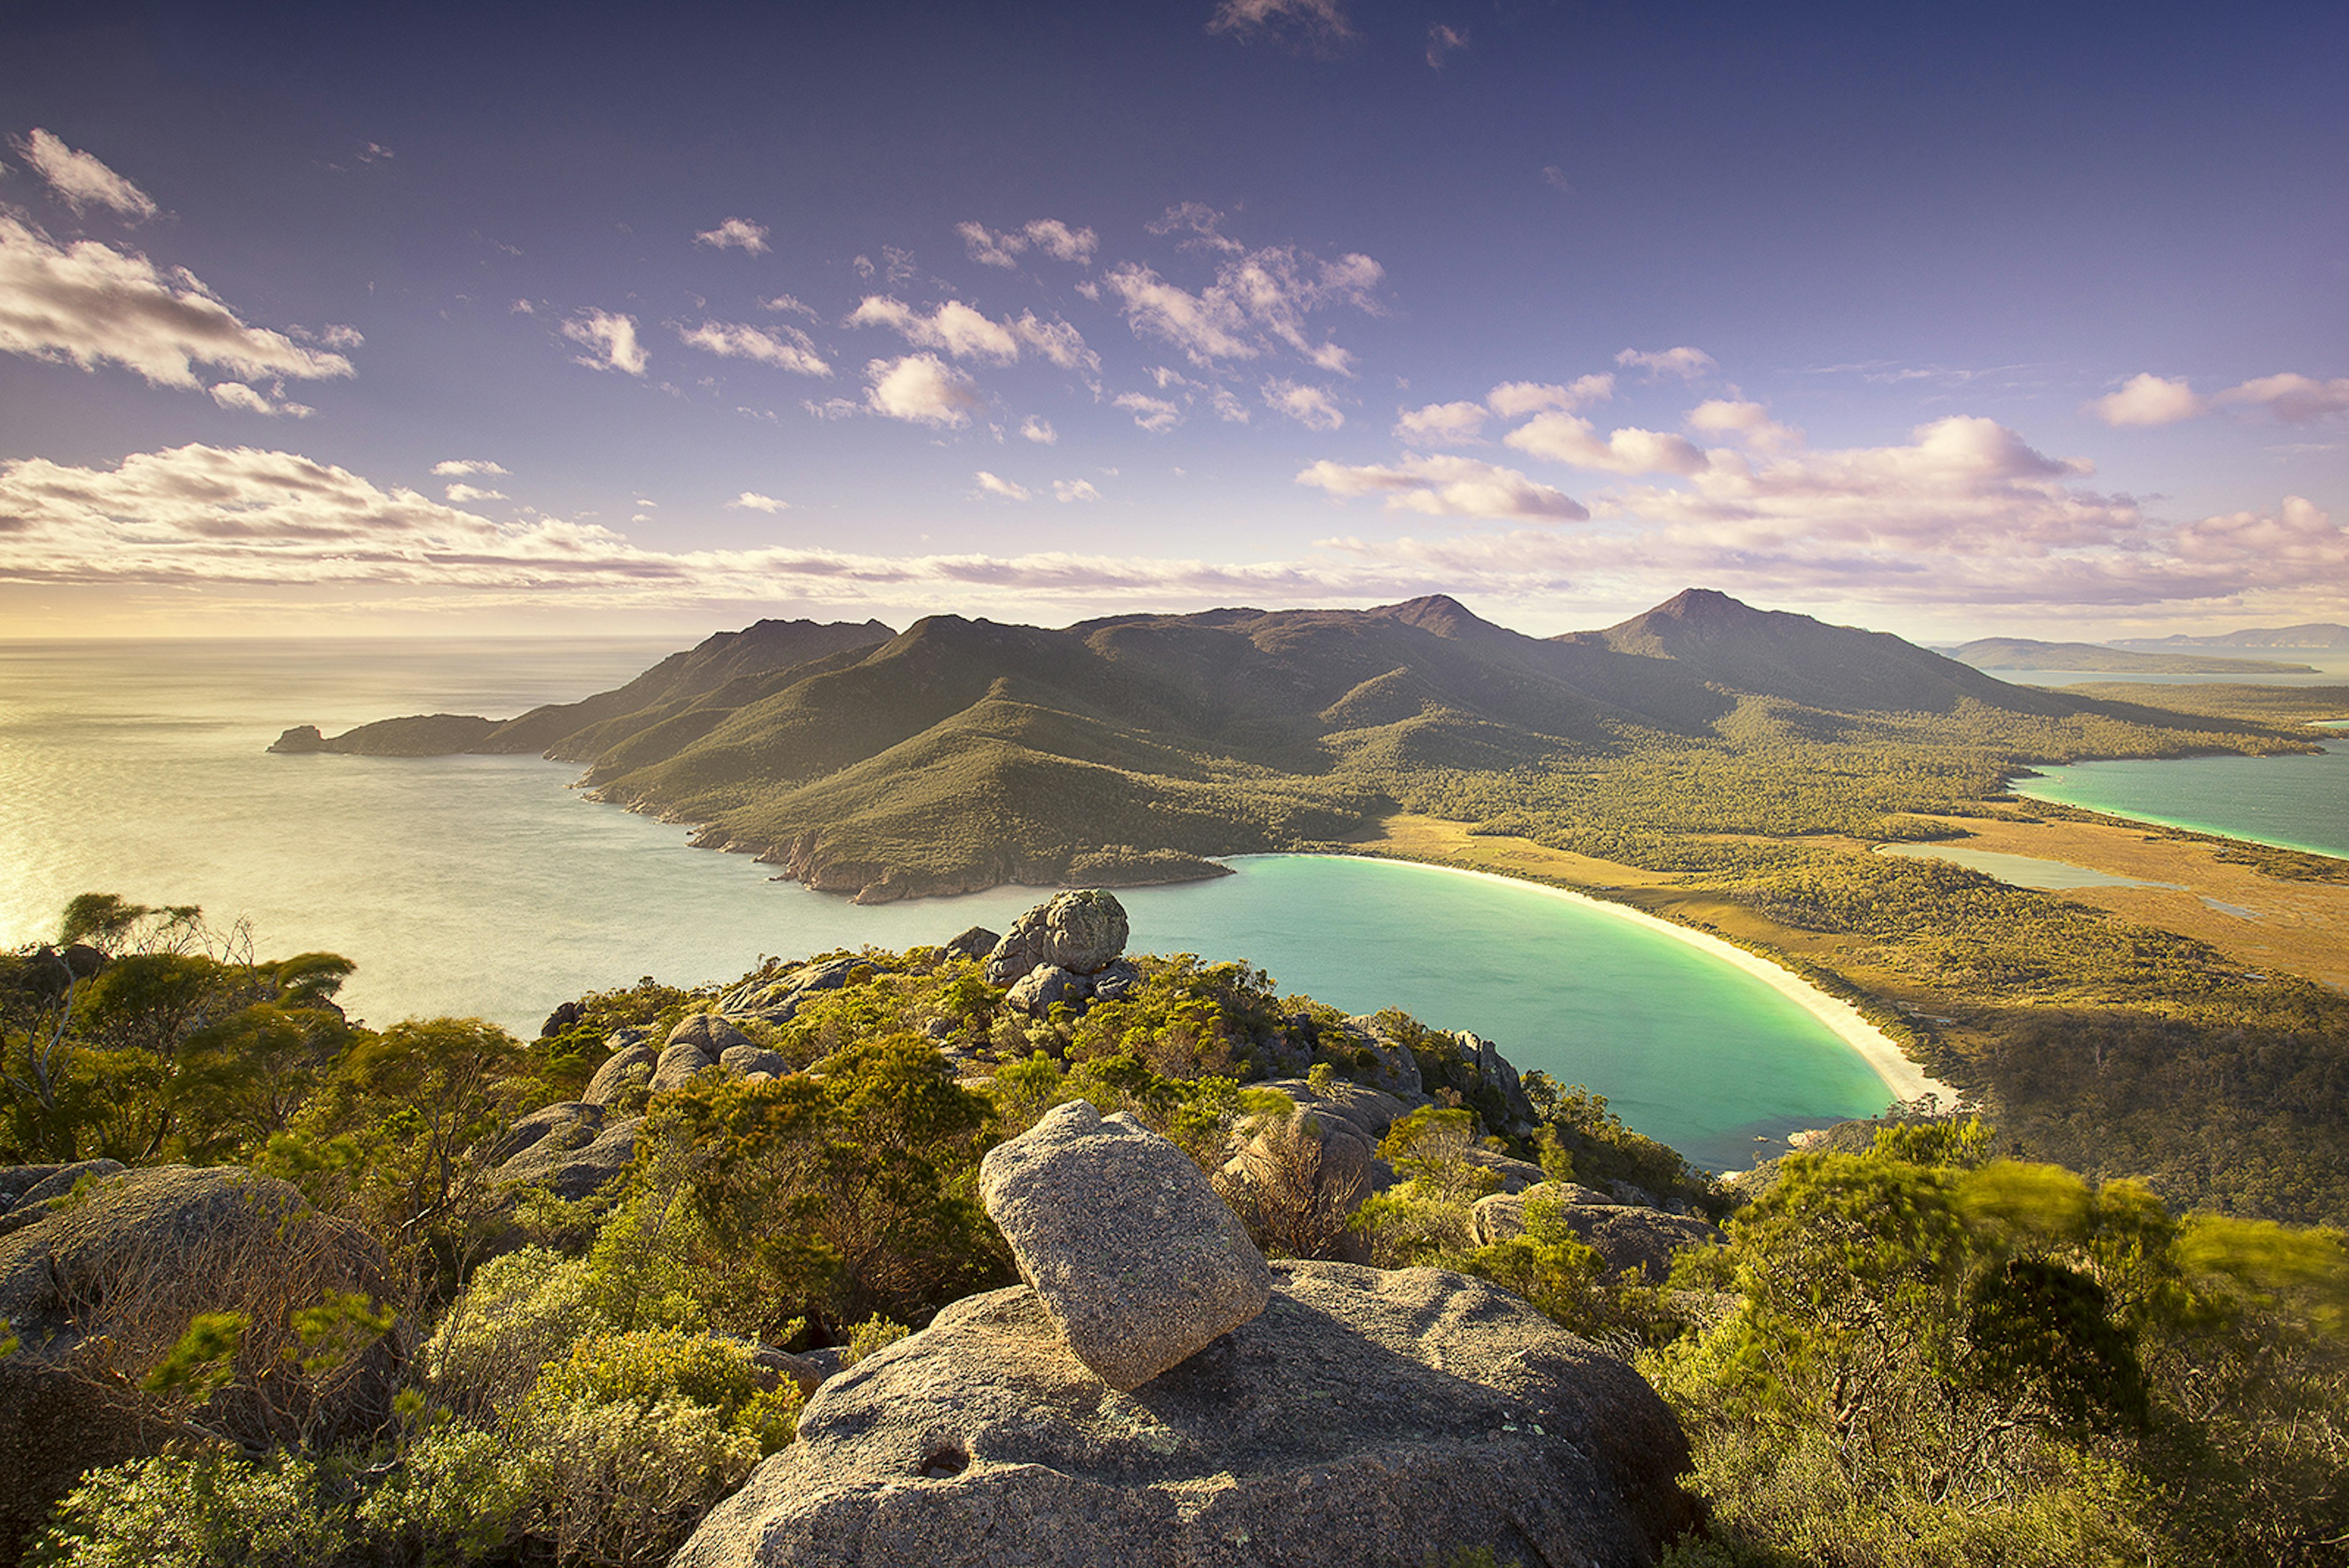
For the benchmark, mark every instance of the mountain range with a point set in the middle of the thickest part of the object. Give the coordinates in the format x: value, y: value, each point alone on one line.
x: 2023, y: 653
x: 2314, y: 634
x: 958, y: 754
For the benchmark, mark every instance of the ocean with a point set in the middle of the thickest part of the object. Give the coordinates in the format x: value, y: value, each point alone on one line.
x: 489, y: 887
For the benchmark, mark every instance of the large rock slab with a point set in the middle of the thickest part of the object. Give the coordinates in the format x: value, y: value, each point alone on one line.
x: 1136, y: 1259
x: 97, y: 1292
x: 569, y: 1168
x: 1502, y: 1215
x: 1391, y: 1419
x: 1083, y: 932
x: 630, y: 1066
x: 1638, y: 1241
x: 706, y: 1033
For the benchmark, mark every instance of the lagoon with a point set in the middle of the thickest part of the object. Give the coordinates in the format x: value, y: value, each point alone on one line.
x: 486, y: 885
x: 2295, y: 801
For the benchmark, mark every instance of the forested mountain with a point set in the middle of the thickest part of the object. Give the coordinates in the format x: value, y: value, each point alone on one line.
x: 962, y: 753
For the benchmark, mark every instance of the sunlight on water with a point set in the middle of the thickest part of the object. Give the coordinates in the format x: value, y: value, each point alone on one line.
x: 486, y: 885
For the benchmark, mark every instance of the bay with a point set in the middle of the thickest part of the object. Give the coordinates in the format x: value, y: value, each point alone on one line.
x: 2295, y: 802
x: 487, y: 886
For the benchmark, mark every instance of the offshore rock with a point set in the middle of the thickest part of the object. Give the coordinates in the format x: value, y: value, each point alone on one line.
x: 1138, y: 1263
x: 1394, y: 1419
x: 1081, y: 932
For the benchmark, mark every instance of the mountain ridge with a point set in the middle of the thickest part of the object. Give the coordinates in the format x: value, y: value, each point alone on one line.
x: 963, y: 753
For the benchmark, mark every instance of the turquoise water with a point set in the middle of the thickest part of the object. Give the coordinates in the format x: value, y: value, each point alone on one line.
x: 485, y: 884
x: 2020, y: 870
x: 2299, y: 801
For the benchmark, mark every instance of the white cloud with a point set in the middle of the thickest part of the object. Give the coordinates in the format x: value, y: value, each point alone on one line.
x: 376, y: 152
x: 922, y: 389
x: 1441, y: 424
x: 1059, y: 240
x: 1571, y: 439
x: 237, y: 395
x: 2147, y: 400
x: 610, y: 339
x: 967, y: 334
x: 1258, y: 299
x: 785, y: 348
x: 1075, y: 490
x: 1749, y: 424
x: 991, y: 249
x: 1204, y: 223
x: 1963, y: 514
x: 1447, y: 486
x: 995, y: 486
x: 334, y: 337
x: 735, y: 233
x: 459, y: 467
x: 2151, y: 399
x: 751, y: 501
x: 2293, y: 399
x: 1227, y: 407
x: 1318, y: 26
x: 90, y: 304
x: 2298, y: 538
x: 1686, y: 363
x: 81, y: 180
x: 1039, y: 429
x: 1155, y: 415
x: 1442, y: 40
x: 1512, y: 400
x: 463, y: 492
x: 239, y: 518
x: 792, y: 305
x: 1050, y: 235
x: 1308, y: 406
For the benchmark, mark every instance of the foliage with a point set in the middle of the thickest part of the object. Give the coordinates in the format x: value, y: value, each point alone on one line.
x: 832, y: 1199
x: 201, y: 1510
x: 1940, y: 1358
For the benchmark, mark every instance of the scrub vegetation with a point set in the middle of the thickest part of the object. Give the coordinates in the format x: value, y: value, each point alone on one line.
x: 1913, y: 1348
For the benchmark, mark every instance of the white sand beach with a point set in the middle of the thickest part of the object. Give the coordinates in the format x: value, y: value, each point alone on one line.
x: 1904, y: 1078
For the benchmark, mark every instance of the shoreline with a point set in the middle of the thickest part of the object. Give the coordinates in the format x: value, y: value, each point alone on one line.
x: 1902, y: 1077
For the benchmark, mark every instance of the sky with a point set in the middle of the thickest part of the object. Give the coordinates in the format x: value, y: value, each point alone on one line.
x: 1946, y: 319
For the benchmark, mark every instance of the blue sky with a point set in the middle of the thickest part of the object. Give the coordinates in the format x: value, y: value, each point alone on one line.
x: 1944, y: 319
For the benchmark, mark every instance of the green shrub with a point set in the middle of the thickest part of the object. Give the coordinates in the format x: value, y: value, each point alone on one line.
x: 633, y: 1438
x: 204, y: 1510
x: 518, y: 1313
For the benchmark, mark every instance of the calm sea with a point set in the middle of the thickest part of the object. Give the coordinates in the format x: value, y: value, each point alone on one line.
x: 487, y: 886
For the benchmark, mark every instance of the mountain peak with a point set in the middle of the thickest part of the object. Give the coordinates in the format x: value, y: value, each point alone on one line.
x: 1438, y: 613
x: 1702, y: 607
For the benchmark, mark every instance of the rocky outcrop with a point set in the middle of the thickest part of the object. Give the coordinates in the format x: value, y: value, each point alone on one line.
x: 1632, y: 1240
x: 577, y: 1161
x: 420, y: 735
x: 1083, y: 932
x: 29, y: 1192
x: 775, y: 997
x: 99, y: 1291
x: 1365, y: 1417
x: 1137, y: 1262
x: 630, y: 1066
x: 975, y: 943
